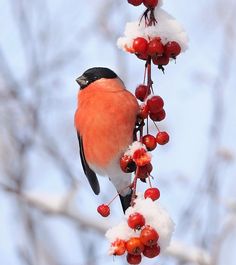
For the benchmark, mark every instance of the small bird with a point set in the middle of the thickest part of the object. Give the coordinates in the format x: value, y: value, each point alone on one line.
x: 105, y: 122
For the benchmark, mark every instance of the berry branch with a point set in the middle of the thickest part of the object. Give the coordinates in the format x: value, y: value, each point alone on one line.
x: 157, y: 42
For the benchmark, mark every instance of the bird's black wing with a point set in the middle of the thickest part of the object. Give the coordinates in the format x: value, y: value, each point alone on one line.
x: 91, y: 176
x: 126, y: 200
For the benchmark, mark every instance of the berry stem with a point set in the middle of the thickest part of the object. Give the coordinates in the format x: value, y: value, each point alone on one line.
x: 156, y: 126
x: 145, y: 73
x: 129, y: 186
x: 149, y: 181
x: 134, y: 185
x: 113, y: 199
x: 152, y: 19
x: 149, y: 17
x: 149, y: 73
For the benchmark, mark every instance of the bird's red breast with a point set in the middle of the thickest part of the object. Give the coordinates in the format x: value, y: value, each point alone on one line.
x: 105, y: 119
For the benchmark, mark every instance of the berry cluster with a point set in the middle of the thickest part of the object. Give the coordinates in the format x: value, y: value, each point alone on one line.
x: 144, y: 243
x: 152, y: 40
x: 146, y: 230
x: 156, y: 42
x: 155, y: 50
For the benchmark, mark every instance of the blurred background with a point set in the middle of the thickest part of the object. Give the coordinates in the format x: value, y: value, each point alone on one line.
x: 47, y: 209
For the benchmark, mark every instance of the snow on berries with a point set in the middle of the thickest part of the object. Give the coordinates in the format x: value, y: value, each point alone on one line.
x: 158, y: 36
x: 118, y: 247
x: 146, y: 230
x: 127, y: 164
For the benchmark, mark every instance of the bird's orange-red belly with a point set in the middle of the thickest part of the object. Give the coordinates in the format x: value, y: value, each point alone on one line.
x: 105, y: 119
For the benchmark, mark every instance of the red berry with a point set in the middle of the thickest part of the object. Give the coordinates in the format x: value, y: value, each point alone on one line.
x: 144, y: 172
x: 104, y: 210
x: 141, y: 157
x: 134, y: 246
x: 119, y: 247
x: 155, y: 47
x: 142, y: 56
x: 155, y: 104
x: 152, y: 193
x: 127, y: 164
x: 149, y: 236
x: 162, y: 60
x: 135, y: 2
x: 136, y: 221
x: 150, y: 3
x: 143, y: 111
x: 172, y: 49
x: 140, y: 45
x: 142, y: 92
x: 159, y: 116
x: 152, y: 251
x: 134, y: 259
x: 162, y: 138
x: 149, y: 141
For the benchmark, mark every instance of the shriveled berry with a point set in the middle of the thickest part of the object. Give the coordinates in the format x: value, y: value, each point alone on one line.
x: 151, y: 251
x: 142, y: 92
x: 135, y: 2
x: 162, y: 138
x: 155, y: 104
x: 159, y: 116
x: 136, y: 221
x: 149, y: 141
x: 150, y: 3
x: 144, y: 172
x: 149, y: 236
x: 134, y: 246
x: 140, y: 45
x: 155, y: 47
x: 119, y: 247
x: 104, y: 210
x: 152, y: 193
x: 127, y: 164
x: 134, y: 259
x: 172, y: 49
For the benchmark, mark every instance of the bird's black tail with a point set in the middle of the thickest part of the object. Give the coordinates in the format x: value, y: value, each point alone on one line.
x: 126, y: 201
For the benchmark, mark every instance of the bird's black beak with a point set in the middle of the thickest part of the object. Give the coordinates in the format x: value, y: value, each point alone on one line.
x: 82, y: 81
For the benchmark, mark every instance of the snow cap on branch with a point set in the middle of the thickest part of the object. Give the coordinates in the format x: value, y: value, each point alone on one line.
x: 167, y: 28
x: 134, y: 147
x: 154, y: 215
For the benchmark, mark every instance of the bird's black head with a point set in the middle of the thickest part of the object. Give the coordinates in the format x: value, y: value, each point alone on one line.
x: 94, y: 74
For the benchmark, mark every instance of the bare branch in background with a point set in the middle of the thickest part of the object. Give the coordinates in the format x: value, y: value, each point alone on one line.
x: 57, y: 207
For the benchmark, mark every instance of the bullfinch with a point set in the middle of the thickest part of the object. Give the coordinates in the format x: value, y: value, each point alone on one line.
x: 105, y: 122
